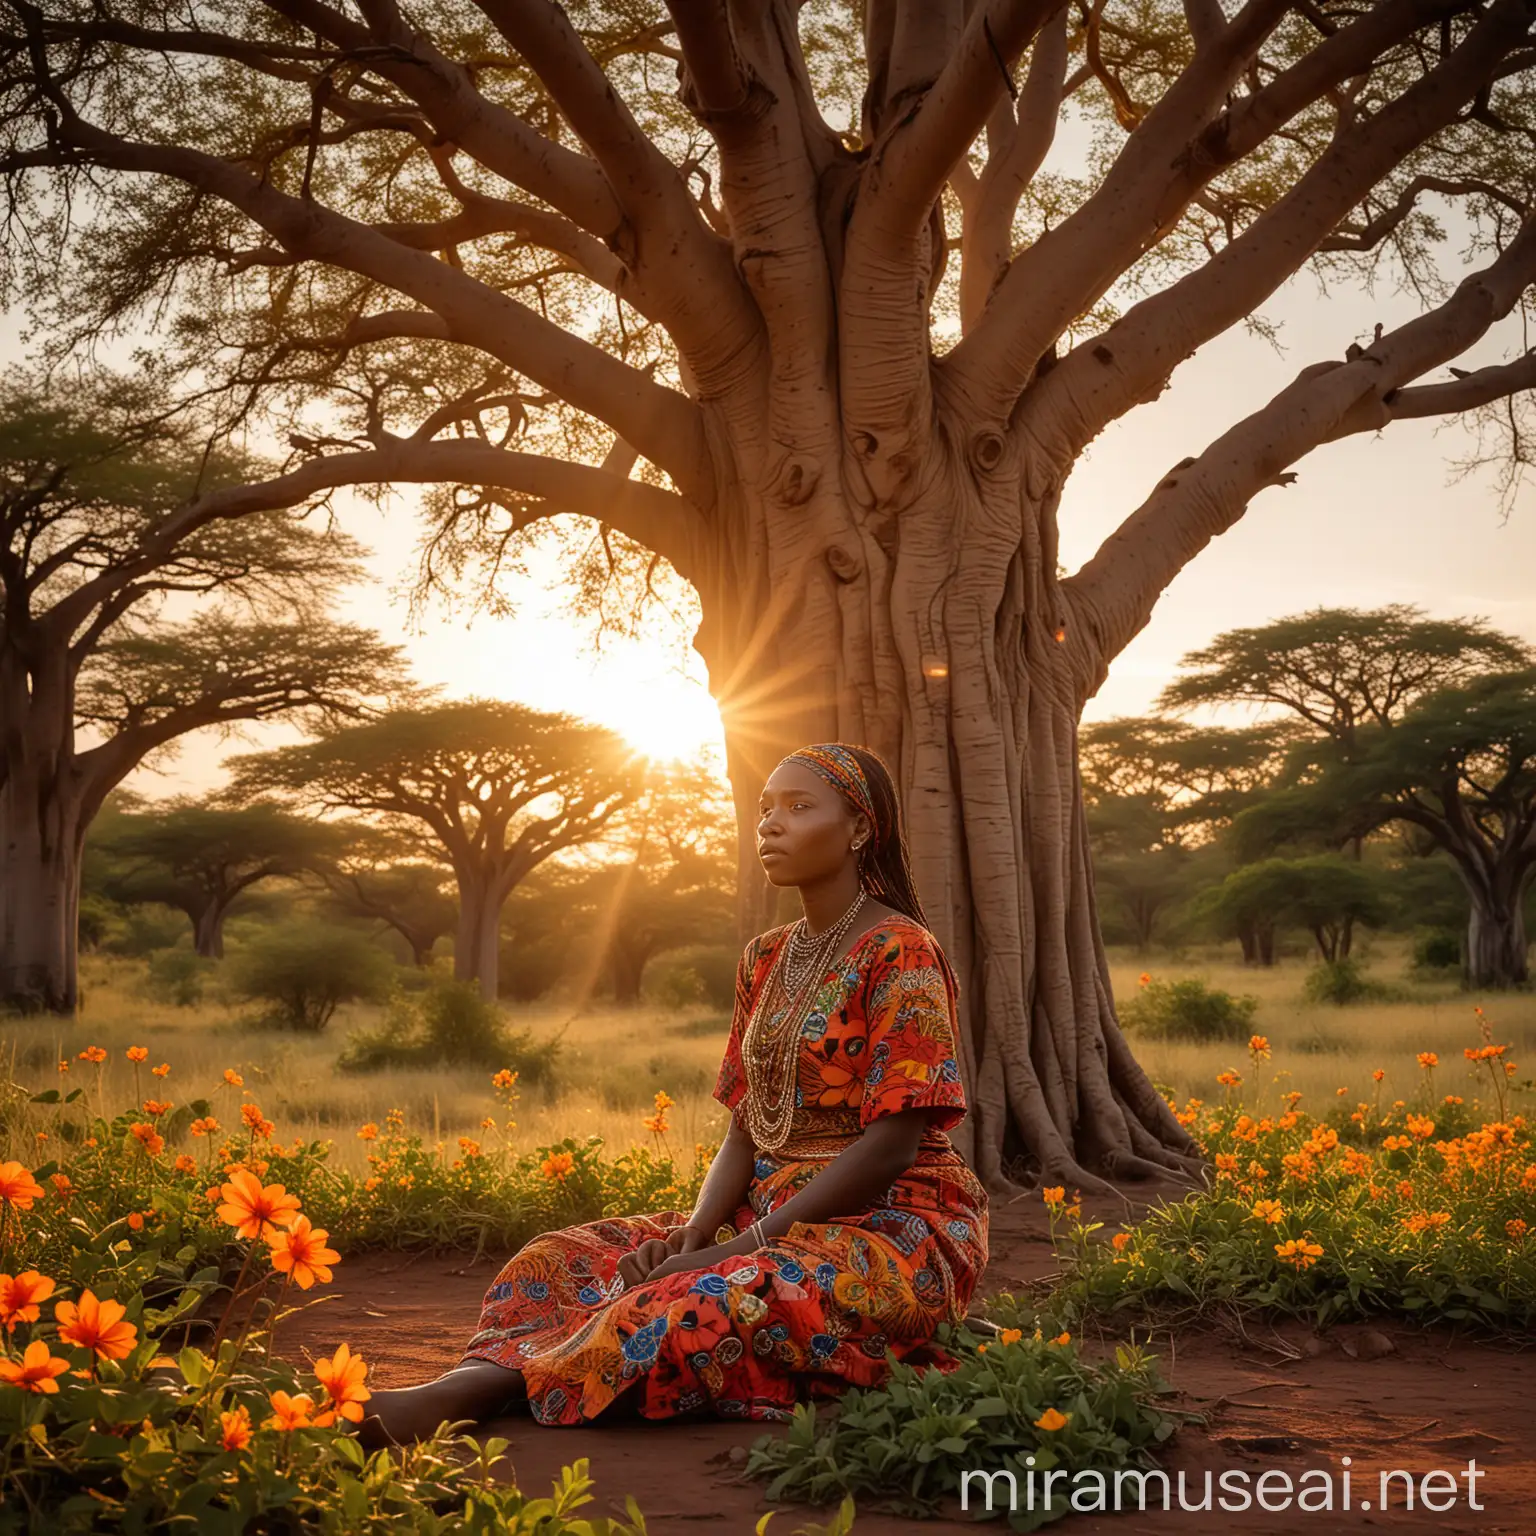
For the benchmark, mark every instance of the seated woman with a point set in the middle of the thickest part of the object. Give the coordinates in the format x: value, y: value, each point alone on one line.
x: 835, y: 1223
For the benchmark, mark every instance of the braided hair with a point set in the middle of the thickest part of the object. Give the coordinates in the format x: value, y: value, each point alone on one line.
x: 862, y: 778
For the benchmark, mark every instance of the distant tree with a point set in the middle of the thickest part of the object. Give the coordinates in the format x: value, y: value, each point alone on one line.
x: 201, y: 858
x: 1157, y: 790
x: 109, y: 506
x: 492, y: 788
x: 1460, y: 766
x: 1325, y: 894
x: 670, y: 878
x: 1340, y: 669
x: 378, y: 873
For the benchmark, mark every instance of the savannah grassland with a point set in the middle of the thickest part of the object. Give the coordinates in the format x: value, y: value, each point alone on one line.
x: 614, y: 1060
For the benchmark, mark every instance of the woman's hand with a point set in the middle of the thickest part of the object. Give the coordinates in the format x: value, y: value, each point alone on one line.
x: 699, y: 1258
x: 639, y: 1265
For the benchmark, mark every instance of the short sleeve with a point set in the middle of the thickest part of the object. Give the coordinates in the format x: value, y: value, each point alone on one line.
x: 731, y: 1082
x: 912, y: 1056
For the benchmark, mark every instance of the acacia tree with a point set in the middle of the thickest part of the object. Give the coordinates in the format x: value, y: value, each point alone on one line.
x: 376, y: 873
x: 857, y: 333
x: 201, y: 858
x: 491, y: 787
x: 101, y: 523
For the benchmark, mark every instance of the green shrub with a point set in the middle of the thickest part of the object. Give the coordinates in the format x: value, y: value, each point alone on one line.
x: 1341, y: 982
x: 304, y: 970
x: 143, y: 929
x: 908, y: 1443
x: 1436, y: 949
x: 1188, y: 1009
x: 449, y: 1023
x: 699, y: 973
x: 178, y: 977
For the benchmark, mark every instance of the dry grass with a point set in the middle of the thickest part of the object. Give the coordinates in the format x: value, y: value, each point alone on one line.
x: 614, y: 1060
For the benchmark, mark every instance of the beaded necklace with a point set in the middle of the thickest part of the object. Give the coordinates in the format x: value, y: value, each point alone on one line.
x: 771, y: 1040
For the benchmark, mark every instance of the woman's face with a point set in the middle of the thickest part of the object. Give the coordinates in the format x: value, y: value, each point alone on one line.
x: 804, y: 827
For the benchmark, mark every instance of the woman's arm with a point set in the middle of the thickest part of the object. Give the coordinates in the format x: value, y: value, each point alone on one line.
x: 723, y: 1191
x: 858, y: 1175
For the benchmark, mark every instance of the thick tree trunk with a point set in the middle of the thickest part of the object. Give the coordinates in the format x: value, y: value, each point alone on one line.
x: 1258, y: 943
x: 625, y: 968
x: 938, y: 639
x: 208, y: 930
x: 476, y: 951
x: 40, y: 848
x: 1496, y: 943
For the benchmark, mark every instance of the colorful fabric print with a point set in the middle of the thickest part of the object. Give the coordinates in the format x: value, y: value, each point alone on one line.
x: 826, y: 1305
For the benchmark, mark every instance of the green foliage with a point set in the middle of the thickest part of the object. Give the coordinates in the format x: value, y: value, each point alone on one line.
x: 1420, y: 1208
x: 178, y: 977
x: 1437, y: 949
x: 173, y: 1434
x: 449, y: 1023
x: 1188, y: 1009
x: 1342, y: 982
x: 701, y: 973
x: 906, y: 1444
x: 304, y: 970
x: 145, y: 929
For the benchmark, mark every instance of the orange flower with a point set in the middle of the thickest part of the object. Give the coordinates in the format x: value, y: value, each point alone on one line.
x: 1299, y: 1252
x: 1259, y: 1046
x: 255, y: 1120
x: 368, y: 1132
x: 1515, y: 1228
x: 1120, y: 1241
x: 137, y: 1053
x: 185, y: 1164
x: 63, y: 1064
x: 1052, y: 1420
x: 469, y: 1147
x: 96, y: 1325
x: 1428, y: 1059
x: 237, y: 1429
x: 136, y: 1221
x: 35, y: 1371
x: 301, y: 1252
x: 154, y: 1108
x: 1144, y: 979
x: 342, y: 1377
x: 1011, y: 1335
x: 233, y: 1078
x: 557, y: 1165
x: 1054, y: 1195
x: 1269, y: 1211
x: 18, y: 1187
x: 19, y: 1296
x: 204, y: 1127
x: 148, y: 1137
x: 63, y: 1184
x: 1062, y: 1339
x: 1229, y: 1079
x: 254, y: 1211
x: 93, y: 1054
x: 1421, y: 1126
x: 504, y: 1079
x: 290, y: 1412
x: 163, y: 1070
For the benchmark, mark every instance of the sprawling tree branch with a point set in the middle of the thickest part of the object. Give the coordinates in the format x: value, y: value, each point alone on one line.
x: 1131, y: 362
x: 1115, y: 591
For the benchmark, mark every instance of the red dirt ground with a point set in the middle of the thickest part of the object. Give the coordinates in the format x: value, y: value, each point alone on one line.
x: 1274, y: 1397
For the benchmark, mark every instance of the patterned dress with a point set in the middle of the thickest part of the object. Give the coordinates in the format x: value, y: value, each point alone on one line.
x: 819, y: 1307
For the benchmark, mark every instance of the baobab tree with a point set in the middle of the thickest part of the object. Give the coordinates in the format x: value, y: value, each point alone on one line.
x: 801, y: 263
x: 110, y: 508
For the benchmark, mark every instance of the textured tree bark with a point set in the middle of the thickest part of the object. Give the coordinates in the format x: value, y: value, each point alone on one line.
x: 962, y: 663
x: 1496, y: 941
x: 476, y: 955
x: 40, y: 846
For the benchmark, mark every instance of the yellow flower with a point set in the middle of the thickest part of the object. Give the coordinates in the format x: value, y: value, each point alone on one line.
x: 1052, y: 1420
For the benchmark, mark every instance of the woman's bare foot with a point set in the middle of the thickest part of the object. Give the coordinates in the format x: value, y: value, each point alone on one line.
x: 475, y: 1389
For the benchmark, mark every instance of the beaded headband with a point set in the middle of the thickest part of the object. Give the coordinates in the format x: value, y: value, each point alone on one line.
x: 841, y: 769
